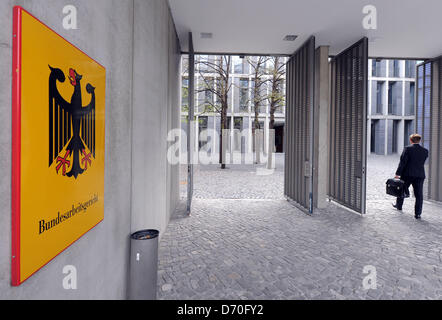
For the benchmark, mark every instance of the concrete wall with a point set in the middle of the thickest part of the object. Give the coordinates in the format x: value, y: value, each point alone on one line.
x: 322, y: 110
x: 174, y: 114
x: 155, y: 112
x: 141, y: 107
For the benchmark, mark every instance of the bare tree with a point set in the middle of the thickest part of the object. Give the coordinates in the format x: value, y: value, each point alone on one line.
x: 276, y: 97
x: 259, y: 96
x: 216, y: 84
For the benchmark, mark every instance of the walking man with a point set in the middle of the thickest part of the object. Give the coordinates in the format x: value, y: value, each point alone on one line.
x: 411, y: 170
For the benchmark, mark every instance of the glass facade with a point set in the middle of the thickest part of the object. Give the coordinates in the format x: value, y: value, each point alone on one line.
x: 185, y: 94
x: 392, y: 105
x: 395, y: 97
x: 240, y: 65
x: 394, y: 69
x: 410, y: 69
x: 240, y: 112
x: 243, y: 94
x: 378, y: 68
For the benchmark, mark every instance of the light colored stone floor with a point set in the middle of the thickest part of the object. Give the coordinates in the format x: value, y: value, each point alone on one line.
x: 267, y: 249
x: 379, y: 169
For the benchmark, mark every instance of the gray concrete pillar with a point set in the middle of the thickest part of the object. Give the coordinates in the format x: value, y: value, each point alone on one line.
x: 321, y: 127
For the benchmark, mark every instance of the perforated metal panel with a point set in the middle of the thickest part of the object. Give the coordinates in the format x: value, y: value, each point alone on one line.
x: 298, y: 175
x: 428, y: 121
x: 348, y: 127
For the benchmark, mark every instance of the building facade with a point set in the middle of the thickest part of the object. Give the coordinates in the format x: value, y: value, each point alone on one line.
x: 391, y: 105
x: 391, y: 108
x: 240, y: 114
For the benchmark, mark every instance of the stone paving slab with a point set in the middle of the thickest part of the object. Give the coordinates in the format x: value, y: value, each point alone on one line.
x: 267, y: 249
x: 264, y: 248
x: 240, y: 181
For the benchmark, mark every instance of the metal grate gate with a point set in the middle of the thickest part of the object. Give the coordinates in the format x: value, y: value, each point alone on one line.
x: 348, y: 127
x: 298, y: 172
x: 428, y: 119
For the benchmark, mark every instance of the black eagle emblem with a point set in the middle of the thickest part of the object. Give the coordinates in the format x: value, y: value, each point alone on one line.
x: 71, y: 125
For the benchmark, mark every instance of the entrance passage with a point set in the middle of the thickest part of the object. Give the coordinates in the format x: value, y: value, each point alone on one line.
x: 298, y: 177
x: 348, y: 132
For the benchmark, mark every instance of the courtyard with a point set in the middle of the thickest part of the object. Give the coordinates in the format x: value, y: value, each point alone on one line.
x: 245, y: 241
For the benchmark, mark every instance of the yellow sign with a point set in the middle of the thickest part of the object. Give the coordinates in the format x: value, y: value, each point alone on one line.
x: 58, y: 145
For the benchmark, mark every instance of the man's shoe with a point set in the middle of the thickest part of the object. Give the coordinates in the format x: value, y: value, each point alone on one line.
x: 396, y: 207
x: 417, y: 217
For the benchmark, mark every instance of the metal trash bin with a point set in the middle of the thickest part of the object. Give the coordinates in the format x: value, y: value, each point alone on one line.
x: 143, y: 265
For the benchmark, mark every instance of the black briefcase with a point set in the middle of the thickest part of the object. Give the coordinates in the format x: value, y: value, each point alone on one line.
x: 396, y: 188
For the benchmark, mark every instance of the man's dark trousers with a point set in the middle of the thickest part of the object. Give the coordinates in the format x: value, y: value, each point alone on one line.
x: 418, y: 188
x: 412, y: 171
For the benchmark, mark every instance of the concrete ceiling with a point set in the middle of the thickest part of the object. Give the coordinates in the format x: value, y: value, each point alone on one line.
x: 405, y: 28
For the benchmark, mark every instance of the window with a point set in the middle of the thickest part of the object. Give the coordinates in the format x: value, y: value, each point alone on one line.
x: 410, y: 69
x: 237, y: 123
x: 394, y: 68
x: 202, y: 65
x: 202, y: 132
x: 185, y: 94
x: 209, y: 98
x: 239, y: 65
x: 378, y: 68
x: 390, y: 97
x: 409, y: 108
x: 395, y: 98
x: 243, y: 95
x: 185, y: 64
x: 379, y: 97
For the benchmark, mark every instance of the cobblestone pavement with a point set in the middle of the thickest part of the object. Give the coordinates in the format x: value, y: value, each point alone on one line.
x: 240, y: 181
x: 267, y: 249
x: 379, y: 169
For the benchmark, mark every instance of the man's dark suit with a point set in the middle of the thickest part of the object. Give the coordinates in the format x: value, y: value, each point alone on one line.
x: 412, y: 172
